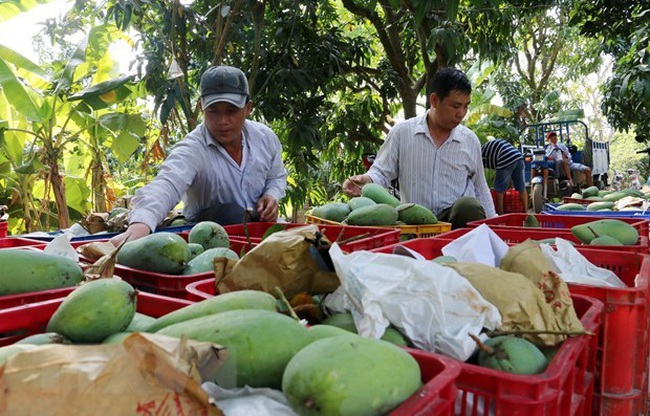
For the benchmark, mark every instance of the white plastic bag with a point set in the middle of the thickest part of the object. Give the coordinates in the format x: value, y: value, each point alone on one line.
x: 481, y: 245
x: 248, y: 401
x: 433, y: 305
x: 60, y: 246
x: 573, y: 267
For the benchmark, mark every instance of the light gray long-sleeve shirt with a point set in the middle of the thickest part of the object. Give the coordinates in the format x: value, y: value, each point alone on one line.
x: 200, y: 172
x: 431, y: 176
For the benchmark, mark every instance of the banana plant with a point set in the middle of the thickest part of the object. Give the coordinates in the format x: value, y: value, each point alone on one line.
x: 51, y: 111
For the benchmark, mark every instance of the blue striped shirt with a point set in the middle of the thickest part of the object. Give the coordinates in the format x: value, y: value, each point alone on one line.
x: 428, y: 175
x: 498, y: 153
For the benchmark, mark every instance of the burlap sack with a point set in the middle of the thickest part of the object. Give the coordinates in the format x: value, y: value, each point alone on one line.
x: 146, y: 374
x: 284, y: 259
x: 523, y: 306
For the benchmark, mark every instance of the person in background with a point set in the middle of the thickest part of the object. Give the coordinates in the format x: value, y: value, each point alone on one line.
x: 436, y: 160
x: 508, y: 162
x: 226, y: 165
x: 563, y: 159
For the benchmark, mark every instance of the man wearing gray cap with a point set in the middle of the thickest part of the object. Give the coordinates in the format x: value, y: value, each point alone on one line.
x: 223, y: 167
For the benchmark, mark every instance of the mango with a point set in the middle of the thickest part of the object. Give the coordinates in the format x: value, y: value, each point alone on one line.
x: 513, y: 355
x: 597, y: 206
x: 321, y: 331
x: 379, y: 194
x: 614, y: 196
x: 605, y: 240
x: 590, y: 191
x: 44, y: 339
x: 531, y: 221
x: 570, y: 206
x: 195, y: 249
x: 140, y: 323
x: 94, y: 311
x: 209, y: 234
x: 160, y: 252
x: 260, y: 343
x: 360, y: 201
x: 378, y: 214
x: 204, y: 262
x: 9, y: 350
x: 31, y: 271
x: 116, y: 338
x: 353, y: 376
x: 332, y: 211
x: 344, y: 320
x: 620, y: 230
x: 415, y: 214
x: 242, y: 299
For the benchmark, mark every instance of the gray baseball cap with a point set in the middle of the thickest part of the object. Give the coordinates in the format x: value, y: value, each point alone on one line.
x: 224, y: 83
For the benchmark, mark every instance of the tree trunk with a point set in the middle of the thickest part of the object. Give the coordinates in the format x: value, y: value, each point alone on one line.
x: 58, y: 187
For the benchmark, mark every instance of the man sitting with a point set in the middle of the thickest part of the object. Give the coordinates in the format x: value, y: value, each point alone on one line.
x: 562, y: 157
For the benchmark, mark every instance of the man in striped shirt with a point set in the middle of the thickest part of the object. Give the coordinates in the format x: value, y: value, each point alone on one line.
x: 509, y: 164
x: 436, y: 160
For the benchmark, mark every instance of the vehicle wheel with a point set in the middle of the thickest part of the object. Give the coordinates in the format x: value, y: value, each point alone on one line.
x: 537, y: 195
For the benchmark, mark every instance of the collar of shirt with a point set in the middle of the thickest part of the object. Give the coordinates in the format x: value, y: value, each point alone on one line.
x: 422, y: 127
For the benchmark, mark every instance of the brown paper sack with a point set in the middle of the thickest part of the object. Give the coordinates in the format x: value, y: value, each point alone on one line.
x: 283, y: 259
x: 148, y: 374
x: 522, y: 304
x: 527, y: 258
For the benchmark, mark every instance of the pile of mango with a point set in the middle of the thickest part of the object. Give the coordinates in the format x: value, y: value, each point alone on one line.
x: 595, y: 199
x: 319, y: 371
x: 169, y: 253
x: 375, y: 207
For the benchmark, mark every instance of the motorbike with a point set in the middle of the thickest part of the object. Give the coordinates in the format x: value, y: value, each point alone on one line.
x: 545, y: 184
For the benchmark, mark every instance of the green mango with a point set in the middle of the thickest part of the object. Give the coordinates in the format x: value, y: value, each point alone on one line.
x: 204, y: 262
x: 209, y: 234
x: 590, y: 191
x: 379, y: 194
x: 570, y: 206
x: 140, y: 323
x: 195, y: 249
x: 321, y: 331
x: 531, y: 221
x: 94, y: 311
x: 34, y: 270
x: 378, y: 214
x: 260, y: 343
x: 350, y: 376
x: 160, y: 252
x: 44, y: 339
x: 605, y: 240
x: 241, y: 299
x: 513, y: 355
x: 345, y: 321
x: 360, y: 201
x: 620, y: 230
x: 415, y: 214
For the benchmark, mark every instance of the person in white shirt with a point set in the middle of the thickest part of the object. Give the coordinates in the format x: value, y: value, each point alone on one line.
x: 563, y: 160
x: 436, y: 160
x: 226, y: 165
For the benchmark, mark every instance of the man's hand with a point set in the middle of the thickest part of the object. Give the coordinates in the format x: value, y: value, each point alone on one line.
x: 352, y: 185
x: 267, y: 208
x: 135, y: 231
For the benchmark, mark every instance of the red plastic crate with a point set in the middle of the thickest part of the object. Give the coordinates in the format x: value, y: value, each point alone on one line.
x: 3, y: 229
x: 439, y: 391
x: 511, y: 201
x: 374, y: 236
x: 564, y: 388
x: 11, y: 301
x: 514, y: 236
x: 12, y: 242
x: 624, y: 343
x: 21, y: 321
x: 201, y: 290
x: 555, y: 221
x: 169, y: 284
